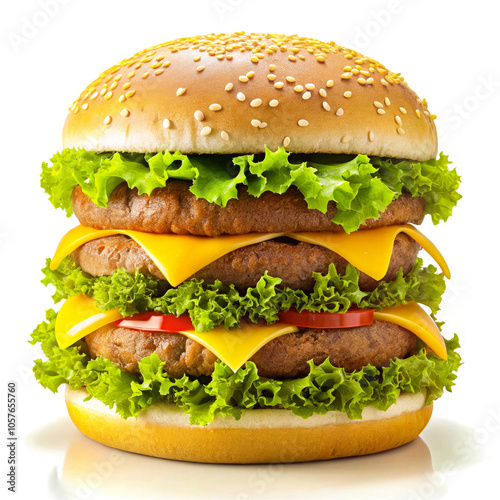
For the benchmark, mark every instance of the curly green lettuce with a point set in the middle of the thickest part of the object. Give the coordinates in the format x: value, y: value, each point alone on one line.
x: 361, y: 187
x: 210, y: 305
x: 227, y: 393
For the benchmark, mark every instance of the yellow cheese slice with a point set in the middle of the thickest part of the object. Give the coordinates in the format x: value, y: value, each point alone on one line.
x: 180, y: 256
x: 78, y: 317
x: 412, y: 317
x: 370, y: 250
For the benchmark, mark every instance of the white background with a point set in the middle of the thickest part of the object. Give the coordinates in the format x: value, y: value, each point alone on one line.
x: 446, y: 50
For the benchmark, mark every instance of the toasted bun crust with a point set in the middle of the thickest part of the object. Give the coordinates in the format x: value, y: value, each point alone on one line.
x: 260, y: 436
x: 236, y: 93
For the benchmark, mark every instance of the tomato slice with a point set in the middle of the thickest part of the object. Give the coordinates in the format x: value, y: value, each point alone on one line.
x: 151, y: 321
x: 349, y: 319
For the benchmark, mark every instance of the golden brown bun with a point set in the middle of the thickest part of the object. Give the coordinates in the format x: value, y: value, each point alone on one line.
x: 236, y: 93
x: 261, y: 436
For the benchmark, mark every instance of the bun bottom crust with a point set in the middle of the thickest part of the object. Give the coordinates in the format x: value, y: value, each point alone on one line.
x: 253, y: 439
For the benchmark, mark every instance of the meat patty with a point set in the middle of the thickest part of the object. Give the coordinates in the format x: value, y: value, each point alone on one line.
x: 174, y: 209
x: 293, y: 262
x: 282, y: 357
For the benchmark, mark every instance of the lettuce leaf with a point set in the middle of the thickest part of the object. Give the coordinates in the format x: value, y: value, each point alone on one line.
x: 361, y: 187
x: 226, y: 393
x: 210, y: 305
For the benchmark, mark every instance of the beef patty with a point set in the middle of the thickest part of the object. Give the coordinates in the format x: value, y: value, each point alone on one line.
x: 282, y: 357
x: 293, y: 262
x: 174, y: 209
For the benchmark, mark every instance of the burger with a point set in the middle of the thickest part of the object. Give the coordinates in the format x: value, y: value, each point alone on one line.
x: 244, y: 285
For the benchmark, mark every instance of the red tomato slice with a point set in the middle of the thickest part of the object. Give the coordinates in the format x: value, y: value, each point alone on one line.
x: 150, y: 321
x: 349, y: 319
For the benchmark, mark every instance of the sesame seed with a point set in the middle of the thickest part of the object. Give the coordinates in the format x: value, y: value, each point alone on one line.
x: 364, y: 72
x: 271, y: 78
x: 320, y: 59
x: 130, y: 93
x: 310, y: 86
x: 126, y: 86
x: 298, y: 88
x: 166, y: 64
x: 417, y: 111
x: 254, y: 59
x: 180, y: 91
x: 286, y: 141
x: 224, y: 135
x: 303, y: 123
x: 383, y: 82
x: 263, y: 125
x: 107, y: 120
x: 306, y: 95
x: 339, y: 112
x: 215, y: 107
x: 272, y: 67
x: 401, y: 131
x: 113, y: 85
x: 199, y: 115
x: 122, y: 98
x: 347, y: 68
x: 131, y: 74
x: 348, y: 94
x: 322, y: 92
x: 290, y: 79
x: 380, y: 111
x: 346, y: 139
x: 103, y: 90
x: 355, y: 71
x: 279, y: 85
x: 205, y: 131
x: 371, y: 136
x: 240, y: 96
x: 292, y: 58
x: 145, y: 75
x: 228, y: 87
x: 166, y: 123
x: 329, y: 83
x: 196, y: 58
x: 94, y: 95
x: 200, y: 68
x: 158, y: 72
x: 326, y: 106
x: 403, y: 110
x: 85, y: 106
x: 243, y: 79
x: 256, y: 103
x: 255, y: 123
x: 250, y: 74
x: 346, y: 76
x: 124, y: 112
x: 361, y: 81
x: 398, y: 120
x: 378, y: 104
x: 108, y: 95
x: 387, y: 101
x: 370, y: 81
x: 273, y: 103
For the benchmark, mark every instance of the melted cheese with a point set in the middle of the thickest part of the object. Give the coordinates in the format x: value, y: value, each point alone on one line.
x: 412, y: 317
x: 79, y: 316
x: 180, y: 256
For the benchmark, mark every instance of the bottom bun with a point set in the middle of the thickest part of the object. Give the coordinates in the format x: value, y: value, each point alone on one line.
x: 260, y: 436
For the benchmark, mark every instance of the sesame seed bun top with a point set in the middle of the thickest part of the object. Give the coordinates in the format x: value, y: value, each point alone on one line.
x: 236, y: 93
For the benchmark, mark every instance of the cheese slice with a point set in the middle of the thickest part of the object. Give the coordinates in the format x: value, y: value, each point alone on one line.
x: 79, y: 316
x: 370, y: 250
x: 412, y: 317
x: 180, y: 256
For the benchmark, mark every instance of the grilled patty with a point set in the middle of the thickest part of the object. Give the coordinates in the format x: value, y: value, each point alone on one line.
x: 282, y: 357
